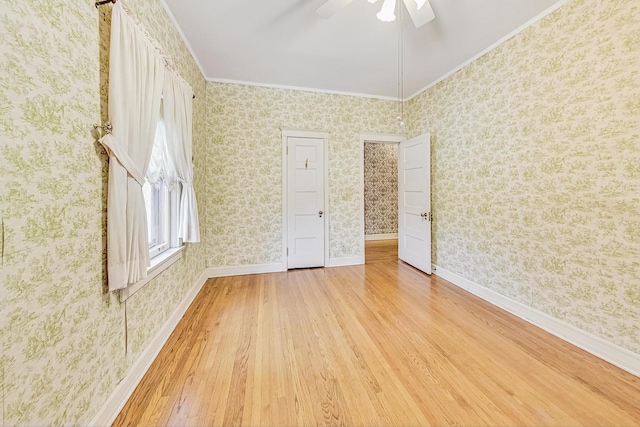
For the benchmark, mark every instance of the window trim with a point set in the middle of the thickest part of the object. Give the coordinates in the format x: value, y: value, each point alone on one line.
x: 167, y: 223
x: 167, y: 253
x: 158, y: 265
x: 163, y: 222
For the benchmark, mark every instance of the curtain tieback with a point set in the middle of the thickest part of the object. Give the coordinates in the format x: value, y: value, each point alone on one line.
x: 114, y: 150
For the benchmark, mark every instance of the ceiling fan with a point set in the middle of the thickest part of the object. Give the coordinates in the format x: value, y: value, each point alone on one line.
x: 420, y: 10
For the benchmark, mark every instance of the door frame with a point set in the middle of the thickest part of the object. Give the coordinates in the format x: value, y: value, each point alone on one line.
x: 298, y: 133
x: 379, y: 138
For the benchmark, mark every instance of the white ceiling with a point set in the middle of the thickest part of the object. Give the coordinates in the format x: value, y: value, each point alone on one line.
x: 284, y: 43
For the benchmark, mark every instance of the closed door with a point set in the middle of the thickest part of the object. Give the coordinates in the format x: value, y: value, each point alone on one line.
x: 414, y: 202
x: 306, y: 215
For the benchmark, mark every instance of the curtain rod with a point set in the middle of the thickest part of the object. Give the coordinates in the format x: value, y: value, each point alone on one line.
x: 100, y: 3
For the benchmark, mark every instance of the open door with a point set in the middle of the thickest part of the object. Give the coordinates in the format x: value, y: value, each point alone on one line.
x: 414, y: 202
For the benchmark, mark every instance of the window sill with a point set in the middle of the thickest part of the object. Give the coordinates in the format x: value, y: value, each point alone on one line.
x: 158, y: 265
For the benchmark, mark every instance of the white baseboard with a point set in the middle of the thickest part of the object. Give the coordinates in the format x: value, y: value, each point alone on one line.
x: 389, y: 236
x: 242, y: 270
x: 342, y: 262
x: 599, y: 347
x: 114, y: 404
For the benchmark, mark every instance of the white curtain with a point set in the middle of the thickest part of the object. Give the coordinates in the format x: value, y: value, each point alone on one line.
x: 159, y: 165
x: 136, y: 75
x: 177, y: 110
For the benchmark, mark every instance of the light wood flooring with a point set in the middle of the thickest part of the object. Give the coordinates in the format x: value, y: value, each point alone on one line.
x: 374, y: 345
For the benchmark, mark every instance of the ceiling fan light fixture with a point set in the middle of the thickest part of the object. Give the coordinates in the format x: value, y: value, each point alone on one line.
x: 419, y: 2
x: 387, y: 14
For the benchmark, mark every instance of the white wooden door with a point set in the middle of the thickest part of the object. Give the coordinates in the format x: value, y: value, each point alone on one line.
x: 306, y: 216
x: 414, y: 202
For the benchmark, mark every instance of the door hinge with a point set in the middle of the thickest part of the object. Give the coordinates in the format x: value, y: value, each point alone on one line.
x: 287, y: 150
x: 287, y: 251
x: 430, y: 216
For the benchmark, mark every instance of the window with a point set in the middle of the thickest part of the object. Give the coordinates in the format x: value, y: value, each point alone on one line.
x: 157, y: 201
x: 161, y: 200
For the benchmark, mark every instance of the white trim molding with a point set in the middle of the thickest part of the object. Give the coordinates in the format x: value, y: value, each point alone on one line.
x: 302, y: 89
x: 388, y: 236
x: 512, y: 34
x: 243, y: 270
x: 343, y: 262
x: 382, y: 138
x: 518, y: 30
x: 120, y: 395
x: 599, y: 347
x: 301, y: 133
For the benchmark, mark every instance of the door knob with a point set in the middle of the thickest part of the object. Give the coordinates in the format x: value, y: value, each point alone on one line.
x: 424, y: 214
x: 320, y: 213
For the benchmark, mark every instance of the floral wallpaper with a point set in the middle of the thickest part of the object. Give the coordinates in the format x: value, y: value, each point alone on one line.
x: 244, y: 184
x: 536, y: 184
x: 380, y: 188
x: 62, y: 336
x: 536, y: 168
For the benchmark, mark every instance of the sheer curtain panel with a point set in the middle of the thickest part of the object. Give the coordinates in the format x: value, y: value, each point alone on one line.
x: 159, y: 166
x: 177, y: 113
x: 136, y: 75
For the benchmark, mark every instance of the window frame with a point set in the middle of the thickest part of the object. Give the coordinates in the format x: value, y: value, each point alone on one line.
x: 160, y: 220
x: 163, y: 228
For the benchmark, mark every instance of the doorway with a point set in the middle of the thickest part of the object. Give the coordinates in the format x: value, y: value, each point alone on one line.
x: 379, y: 214
x: 412, y: 200
x: 304, y: 199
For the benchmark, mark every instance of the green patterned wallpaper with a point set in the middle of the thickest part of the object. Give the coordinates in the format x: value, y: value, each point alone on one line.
x: 62, y: 338
x: 244, y: 181
x: 536, y: 168
x: 380, y: 188
x: 536, y: 186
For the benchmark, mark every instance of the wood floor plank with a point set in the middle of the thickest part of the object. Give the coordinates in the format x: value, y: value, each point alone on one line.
x: 372, y: 345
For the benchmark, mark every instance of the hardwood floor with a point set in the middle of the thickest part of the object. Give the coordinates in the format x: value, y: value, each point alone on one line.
x: 381, y: 344
x: 381, y: 250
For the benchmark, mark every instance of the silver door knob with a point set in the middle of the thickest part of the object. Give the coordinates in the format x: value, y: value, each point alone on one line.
x: 424, y: 214
x: 320, y: 213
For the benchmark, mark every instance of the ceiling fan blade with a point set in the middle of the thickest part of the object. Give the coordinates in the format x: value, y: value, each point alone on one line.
x: 420, y: 16
x: 331, y: 7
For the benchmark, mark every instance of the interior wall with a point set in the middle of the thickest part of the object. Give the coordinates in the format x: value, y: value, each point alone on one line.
x: 380, y: 188
x: 62, y: 335
x: 244, y: 177
x: 536, y: 177
x: 535, y: 187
